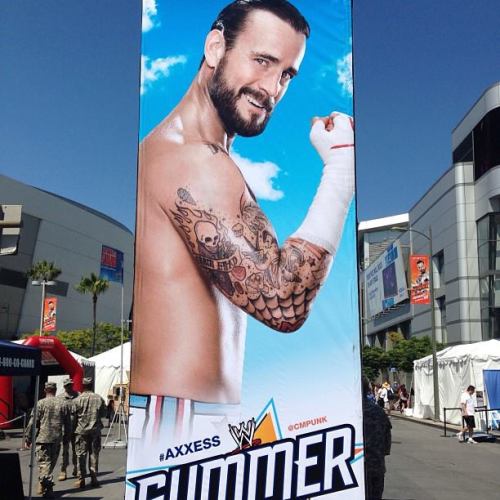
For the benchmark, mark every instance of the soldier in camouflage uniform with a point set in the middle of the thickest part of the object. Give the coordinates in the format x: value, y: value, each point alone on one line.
x: 52, y: 424
x: 67, y: 397
x: 88, y: 409
x: 377, y: 431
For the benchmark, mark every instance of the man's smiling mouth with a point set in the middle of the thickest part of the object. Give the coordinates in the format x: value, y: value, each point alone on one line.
x: 254, y: 102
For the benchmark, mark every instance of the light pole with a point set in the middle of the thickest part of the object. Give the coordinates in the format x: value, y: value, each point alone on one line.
x: 43, y: 283
x: 435, y: 375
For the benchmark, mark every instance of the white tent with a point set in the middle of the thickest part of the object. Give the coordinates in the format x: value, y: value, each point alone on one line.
x: 107, y: 369
x: 458, y: 367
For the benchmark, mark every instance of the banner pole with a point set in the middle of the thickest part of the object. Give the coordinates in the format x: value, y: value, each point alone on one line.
x: 33, y: 434
x: 121, y: 367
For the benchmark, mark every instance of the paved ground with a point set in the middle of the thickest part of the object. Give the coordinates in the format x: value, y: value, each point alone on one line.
x: 422, y: 466
x: 111, y: 473
x: 425, y: 466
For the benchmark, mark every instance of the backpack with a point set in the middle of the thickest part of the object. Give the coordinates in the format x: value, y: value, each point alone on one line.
x: 390, y: 394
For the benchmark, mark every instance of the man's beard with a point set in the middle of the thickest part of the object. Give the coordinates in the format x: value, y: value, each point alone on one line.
x: 226, y: 99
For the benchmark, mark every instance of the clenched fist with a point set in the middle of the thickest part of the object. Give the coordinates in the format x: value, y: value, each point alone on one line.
x: 332, y: 133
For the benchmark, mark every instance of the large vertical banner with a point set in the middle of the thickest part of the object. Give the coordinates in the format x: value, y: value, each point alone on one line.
x: 420, y: 284
x: 245, y: 375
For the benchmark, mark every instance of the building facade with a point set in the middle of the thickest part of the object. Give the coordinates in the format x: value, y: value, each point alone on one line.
x: 71, y: 235
x: 457, y: 222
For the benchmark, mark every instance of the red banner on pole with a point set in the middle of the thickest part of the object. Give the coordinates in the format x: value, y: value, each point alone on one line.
x: 49, y: 314
x: 420, y: 281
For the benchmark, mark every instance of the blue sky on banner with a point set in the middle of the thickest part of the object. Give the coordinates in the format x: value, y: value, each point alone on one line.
x: 280, y: 165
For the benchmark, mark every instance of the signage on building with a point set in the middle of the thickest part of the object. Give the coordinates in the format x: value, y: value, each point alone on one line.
x: 111, y: 264
x: 385, y: 281
x: 420, y: 283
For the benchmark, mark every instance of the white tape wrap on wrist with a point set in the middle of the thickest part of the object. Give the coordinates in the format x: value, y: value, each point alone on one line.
x: 325, y: 219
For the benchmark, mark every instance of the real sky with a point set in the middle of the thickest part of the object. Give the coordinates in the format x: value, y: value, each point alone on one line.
x: 69, y: 95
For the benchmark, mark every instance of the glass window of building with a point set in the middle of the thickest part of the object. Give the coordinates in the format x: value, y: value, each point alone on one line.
x: 488, y: 240
x: 486, y: 146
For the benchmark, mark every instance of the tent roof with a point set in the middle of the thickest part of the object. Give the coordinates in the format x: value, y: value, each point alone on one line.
x: 489, y: 349
x: 112, y: 357
x: 18, y: 359
x: 81, y: 359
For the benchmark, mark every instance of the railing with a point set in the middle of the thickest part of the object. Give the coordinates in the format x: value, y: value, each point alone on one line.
x: 479, y: 409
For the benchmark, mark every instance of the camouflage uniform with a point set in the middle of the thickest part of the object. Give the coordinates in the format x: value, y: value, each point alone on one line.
x: 88, y: 409
x: 52, y: 423
x: 69, y: 438
x: 377, y: 431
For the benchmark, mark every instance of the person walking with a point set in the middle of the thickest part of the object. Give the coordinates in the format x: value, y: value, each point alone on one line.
x: 403, y: 398
x: 67, y: 398
x: 467, y: 404
x: 52, y: 425
x: 88, y: 410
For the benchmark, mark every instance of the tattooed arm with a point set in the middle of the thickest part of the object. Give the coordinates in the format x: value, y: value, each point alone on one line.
x: 235, y: 245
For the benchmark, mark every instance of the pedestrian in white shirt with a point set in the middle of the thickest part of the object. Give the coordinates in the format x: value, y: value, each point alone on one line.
x: 467, y: 404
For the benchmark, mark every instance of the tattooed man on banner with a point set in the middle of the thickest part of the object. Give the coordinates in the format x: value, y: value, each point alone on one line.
x: 206, y: 254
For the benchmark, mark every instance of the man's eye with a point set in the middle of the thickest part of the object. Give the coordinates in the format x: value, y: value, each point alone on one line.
x: 286, y: 76
x: 262, y: 62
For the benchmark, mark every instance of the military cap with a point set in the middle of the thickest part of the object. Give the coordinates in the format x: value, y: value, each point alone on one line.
x: 87, y: 381
x: 67, y: 381
x: 50, y: 385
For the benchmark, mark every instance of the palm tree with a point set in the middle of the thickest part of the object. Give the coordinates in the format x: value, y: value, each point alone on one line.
x: 95, y: 286
x: 43, y: 271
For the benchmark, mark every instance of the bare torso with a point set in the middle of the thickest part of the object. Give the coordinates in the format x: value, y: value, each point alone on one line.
x: 188, y: 338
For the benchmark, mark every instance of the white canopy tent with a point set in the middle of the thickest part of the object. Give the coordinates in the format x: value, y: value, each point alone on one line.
x: 458, y: 367
x: 107, y: 369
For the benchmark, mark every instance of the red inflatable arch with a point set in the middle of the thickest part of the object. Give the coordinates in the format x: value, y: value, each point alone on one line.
x: 55, y: 347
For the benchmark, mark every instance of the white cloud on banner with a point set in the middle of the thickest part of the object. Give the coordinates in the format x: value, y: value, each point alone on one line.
x: 344, y: 73
x: 260, y: 177
x: 151, y: 71
x: 149, y: 13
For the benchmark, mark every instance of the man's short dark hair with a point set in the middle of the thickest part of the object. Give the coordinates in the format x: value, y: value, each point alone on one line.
x: 471, y: 388
x: 420, y: 261
x: 231, y: 20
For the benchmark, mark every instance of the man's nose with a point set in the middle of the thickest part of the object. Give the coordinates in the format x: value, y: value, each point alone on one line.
x: 271, y: 85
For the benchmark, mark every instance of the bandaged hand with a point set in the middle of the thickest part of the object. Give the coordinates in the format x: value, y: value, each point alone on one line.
x: 333, y: 139
x: 332, y: 134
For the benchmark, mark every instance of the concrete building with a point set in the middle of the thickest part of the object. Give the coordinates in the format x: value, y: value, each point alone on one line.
x: 71, y: 235
x: 457, y: 221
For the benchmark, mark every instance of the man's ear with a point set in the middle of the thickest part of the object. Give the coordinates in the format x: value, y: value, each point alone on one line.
x: 215, y: 47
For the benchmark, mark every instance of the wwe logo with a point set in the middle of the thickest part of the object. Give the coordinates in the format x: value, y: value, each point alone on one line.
x: 243, y: 434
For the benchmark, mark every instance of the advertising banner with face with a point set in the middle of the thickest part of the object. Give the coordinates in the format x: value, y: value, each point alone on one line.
x: 49, y: 314
x: 245, y: 378
x: 420, y: 284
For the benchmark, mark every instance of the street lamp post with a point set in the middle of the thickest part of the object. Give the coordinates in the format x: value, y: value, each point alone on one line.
x: 43, y: 283
x: 435, y: 375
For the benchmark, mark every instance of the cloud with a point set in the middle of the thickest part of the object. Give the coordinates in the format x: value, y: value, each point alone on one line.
x: 344, y: 73
x: 149, y: 13
x: 153, y: 70
x: 260, y: 177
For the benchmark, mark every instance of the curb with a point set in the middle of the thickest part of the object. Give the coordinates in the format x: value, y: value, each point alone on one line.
x: 428, y: 423
x: 451, y: 428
